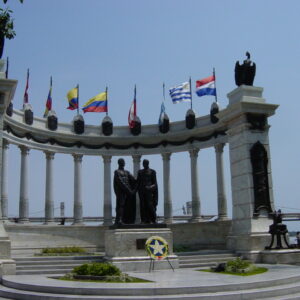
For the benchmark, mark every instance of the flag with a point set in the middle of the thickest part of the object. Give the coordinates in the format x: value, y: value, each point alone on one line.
x: 73, y: 98
x: 25, y: 100
x: 181, y: 93
x: 49, y: 100
x: 96, y: 104
x: 132, y: 111
x: 162, y: 113
x: 206, y: 86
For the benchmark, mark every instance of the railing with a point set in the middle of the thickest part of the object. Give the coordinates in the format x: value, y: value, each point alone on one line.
x: 176, y: 219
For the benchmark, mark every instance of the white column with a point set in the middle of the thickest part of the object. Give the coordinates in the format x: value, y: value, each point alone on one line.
x: 107, y: 206
x: 196, y: 211
x: 222, y: 202
x: 4, y: 194
x: 168, y: 210
x: 24, y: 202
x: 136, y: 158
x: 77, y: 190
x: 49, y: 201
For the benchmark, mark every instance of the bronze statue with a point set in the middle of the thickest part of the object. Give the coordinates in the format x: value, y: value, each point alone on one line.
x: 245, y: 73
x: 124, y: 187
x: 279, y: 230
x: 148, y: 193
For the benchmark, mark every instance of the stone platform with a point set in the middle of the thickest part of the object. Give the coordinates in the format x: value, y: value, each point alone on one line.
x: 280, y: 282
x: 125, y: 247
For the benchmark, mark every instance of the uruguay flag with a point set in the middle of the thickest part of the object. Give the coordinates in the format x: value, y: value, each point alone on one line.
x: 206, y: 86
x: 181, y: 93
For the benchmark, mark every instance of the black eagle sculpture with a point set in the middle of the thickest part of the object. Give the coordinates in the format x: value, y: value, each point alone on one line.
x: 245, y: 73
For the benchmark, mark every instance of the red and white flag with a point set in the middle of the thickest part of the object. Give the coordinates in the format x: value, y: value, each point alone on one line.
x: 26, y: 89
x: 132, y: 111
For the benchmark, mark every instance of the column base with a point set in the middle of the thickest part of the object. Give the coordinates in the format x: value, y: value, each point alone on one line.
x: 107, y: 223
x: 77, y: 223
x: 222, y: 218
x: 23, y: 221
x: 168, y: 220
x: 196, y: 220
x: 49, y: 222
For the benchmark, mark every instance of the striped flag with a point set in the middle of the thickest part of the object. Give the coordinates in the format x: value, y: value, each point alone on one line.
x: 73, y: 98
x: 181, y: 93
x: 97, y: 103
x: 206, y: 86
x: 49, y: 100
x: 25, y: 99
x: 132, y: 111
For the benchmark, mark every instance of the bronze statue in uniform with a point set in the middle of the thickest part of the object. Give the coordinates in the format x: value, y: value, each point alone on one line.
x: 124, y: 187
x: 148, y: 193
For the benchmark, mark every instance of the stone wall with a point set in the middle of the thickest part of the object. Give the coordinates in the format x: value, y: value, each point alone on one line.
x: 28, y: 239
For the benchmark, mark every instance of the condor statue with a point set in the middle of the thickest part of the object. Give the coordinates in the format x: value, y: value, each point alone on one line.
x: 245, y: 73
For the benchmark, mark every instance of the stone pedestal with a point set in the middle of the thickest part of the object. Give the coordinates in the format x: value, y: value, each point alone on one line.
x: 125, y: 248
x: 246, y: 117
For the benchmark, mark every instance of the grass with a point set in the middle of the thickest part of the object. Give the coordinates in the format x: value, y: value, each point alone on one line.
x: 128, y: 279
x: 254, y: 271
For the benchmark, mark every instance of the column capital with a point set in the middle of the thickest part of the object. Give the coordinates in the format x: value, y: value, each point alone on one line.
x: 49, y: 155
x: 106, y: 158
x: 24, y: 150
x: 166, y: 155
x: 194, y: 152
x: 136, y: 158
x: 219, y: 148
x: 77, y: 157
x: 5, y: 144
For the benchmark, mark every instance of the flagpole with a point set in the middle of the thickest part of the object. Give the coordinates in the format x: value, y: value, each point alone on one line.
x: 77, y: 99
x: 164, y: 95
x: 191, y: 93
x: 106, y: 101
x: 214, y: 73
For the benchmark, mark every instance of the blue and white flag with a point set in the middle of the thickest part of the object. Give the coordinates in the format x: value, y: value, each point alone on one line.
x: 181, y: 93
x: 162, y: 113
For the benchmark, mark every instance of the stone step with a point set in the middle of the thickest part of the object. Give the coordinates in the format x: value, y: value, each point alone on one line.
x: 48, y: 267
x: 206, y: 256
x: 204, y: 252
x: 56, y: 262
x: 206, y: 259
x: 42, y: 271
x: 198, y: 265
x: 49, y: 258
x: 281, y: 291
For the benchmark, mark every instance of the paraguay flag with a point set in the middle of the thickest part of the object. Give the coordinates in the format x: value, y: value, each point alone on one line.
x: 96, y: 104
x: 73, y: 98
x: 206, y: 86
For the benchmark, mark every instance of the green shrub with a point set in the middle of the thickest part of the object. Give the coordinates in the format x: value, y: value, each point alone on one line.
x: 73, y: 249
x: 238, y: 265
x: 97, y: 269
x: 81, y: 270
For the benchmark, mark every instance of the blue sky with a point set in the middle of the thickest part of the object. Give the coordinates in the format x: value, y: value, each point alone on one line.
x: 122, y: 43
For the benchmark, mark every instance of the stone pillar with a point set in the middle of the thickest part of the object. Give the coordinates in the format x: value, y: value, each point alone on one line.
x: 222, y: 201
x: 49, y: 201
x: 24, y: 202
x: 168, y: 209
x: 246, y: 117
x: 136, y: 158
x: 196, y: 207
x: 4, y: 194
x: 107, y: 206
x: 77, y: 190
